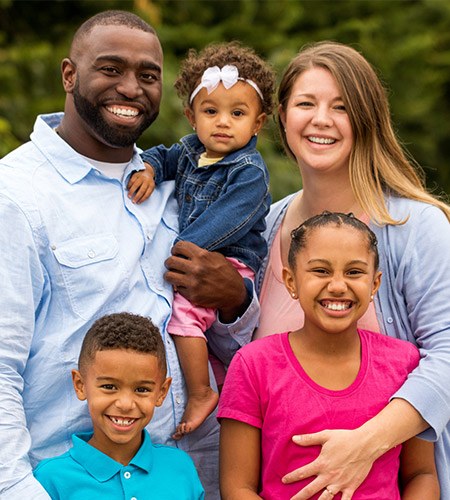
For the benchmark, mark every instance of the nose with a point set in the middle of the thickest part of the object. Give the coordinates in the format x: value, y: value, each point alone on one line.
x: 337, y: 285
x: 223, y: 120
x: 322, y: 117
x: 125, y: 401
x: 129, y: 85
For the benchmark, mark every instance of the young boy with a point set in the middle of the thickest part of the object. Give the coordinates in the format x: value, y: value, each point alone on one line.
x: 122, y: 376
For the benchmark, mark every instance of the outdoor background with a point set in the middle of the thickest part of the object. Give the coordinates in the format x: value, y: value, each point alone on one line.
x: 408, y: 41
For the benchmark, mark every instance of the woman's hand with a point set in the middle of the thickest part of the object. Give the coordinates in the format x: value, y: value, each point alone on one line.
x: 207, y: 279
x: 347, y: 455
x: 344, y: 462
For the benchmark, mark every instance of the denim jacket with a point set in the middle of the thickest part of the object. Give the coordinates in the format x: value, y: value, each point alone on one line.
x: 222, y: 206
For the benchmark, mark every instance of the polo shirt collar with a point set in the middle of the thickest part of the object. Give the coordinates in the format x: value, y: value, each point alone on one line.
x: 102, y: 467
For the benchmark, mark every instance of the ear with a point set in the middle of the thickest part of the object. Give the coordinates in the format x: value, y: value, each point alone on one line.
x: 289, y: 282
x: 189, y: 114
x: 282, y: 115
x: 69, y: 75
x: 78, y: 385
x: 376, y: 283
x: 259, y: 122
x: 164, y: 389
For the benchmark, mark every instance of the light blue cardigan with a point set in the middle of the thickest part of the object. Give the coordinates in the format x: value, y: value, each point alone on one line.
x: 413, y: 303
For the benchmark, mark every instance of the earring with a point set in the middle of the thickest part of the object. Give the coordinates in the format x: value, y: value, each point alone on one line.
x: 294, y: 295
x: 371, y: 297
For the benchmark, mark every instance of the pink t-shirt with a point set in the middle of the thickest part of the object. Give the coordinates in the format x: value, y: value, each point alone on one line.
x: 274, y: 298
x: 277, y: 396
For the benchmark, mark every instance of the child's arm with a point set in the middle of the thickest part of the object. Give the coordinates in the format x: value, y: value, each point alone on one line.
x: 418, y: 476
x: 161, y: 164
x: 141, y: 184
x: 240, y: 457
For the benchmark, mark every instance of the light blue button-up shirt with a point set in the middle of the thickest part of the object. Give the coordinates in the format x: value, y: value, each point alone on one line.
x: 73, y: 248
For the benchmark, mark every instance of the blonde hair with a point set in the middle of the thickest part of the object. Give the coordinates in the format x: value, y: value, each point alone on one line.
x: 378, y: 165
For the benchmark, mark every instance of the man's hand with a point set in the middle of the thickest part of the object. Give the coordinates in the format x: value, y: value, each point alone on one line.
x: 207, y: 279
x: 141, y: 184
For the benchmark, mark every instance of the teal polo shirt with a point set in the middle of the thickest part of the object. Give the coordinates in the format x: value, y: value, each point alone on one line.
x: 85, y: 473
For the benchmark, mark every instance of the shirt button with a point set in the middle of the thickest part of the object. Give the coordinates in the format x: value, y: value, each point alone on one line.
x: 177, y: 400
x: 390, y: 320
x: 133, y: 498
x: 127, y: 475
x: 53, y: 247
x: 91, y: 254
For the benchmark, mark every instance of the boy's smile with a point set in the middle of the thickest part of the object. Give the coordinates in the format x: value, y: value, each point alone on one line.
x: 122, y: 388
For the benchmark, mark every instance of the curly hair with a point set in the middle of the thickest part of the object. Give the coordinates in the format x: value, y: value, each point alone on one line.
x: 122, y: 331
x: 248, y: 63
x: 300, y: 234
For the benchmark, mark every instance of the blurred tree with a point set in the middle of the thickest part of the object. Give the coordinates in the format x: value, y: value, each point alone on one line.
x: 408, y: 41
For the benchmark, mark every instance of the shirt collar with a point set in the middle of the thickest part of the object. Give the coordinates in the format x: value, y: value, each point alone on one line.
x: 70, y: 164
x: 102, y: 467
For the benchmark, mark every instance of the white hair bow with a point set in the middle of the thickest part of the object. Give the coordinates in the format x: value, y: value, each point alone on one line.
x: 228, y: 75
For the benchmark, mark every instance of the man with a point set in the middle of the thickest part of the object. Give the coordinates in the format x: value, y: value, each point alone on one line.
x: 75, y: 248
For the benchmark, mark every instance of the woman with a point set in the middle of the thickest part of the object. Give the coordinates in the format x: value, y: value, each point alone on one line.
x: 335, y: 123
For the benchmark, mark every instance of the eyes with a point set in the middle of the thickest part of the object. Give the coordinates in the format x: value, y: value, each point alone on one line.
x: 145, y: 76
x: 310, y: 104
x: 112, y: 388
x: 324, y: 272
x: 213, y: 112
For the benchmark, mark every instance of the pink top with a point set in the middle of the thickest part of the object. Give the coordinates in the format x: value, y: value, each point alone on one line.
x: 274, y: 298
x: 277, y: 396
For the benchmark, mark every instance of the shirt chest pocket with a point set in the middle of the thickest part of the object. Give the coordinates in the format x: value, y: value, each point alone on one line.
x: 92, y: 273
x: 198, y: 197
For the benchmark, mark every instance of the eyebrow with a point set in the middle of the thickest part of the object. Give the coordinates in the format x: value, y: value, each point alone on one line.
x: 210, y: 101
x: 325, y: 261
x: 313, y: 96
x: 120, y: 60
x: 112, y: 379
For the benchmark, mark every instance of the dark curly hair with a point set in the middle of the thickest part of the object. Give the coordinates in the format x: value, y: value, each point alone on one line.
x: 122, y: 331
x: 248, y: 63
x: 300, y: 234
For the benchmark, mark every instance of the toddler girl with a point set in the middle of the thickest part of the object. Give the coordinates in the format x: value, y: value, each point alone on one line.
x: 222, y: 188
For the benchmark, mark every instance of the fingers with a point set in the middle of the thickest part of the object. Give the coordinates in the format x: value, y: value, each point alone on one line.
x: 318, y: 438
x: 187, y: 249
x: 140, y: 186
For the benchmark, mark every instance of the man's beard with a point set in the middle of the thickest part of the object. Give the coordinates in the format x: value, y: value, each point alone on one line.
x: 112, y: 135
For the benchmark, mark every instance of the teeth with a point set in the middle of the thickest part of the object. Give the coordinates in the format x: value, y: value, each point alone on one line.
x: 336, y: 306
x: 122, y: 421
x: 123, y: 112
x: 321, y: 140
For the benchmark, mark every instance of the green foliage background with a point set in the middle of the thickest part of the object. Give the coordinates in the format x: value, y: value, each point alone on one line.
x: 408, y: 41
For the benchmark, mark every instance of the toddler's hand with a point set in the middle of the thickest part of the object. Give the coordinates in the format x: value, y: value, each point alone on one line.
x: 141, y: 184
